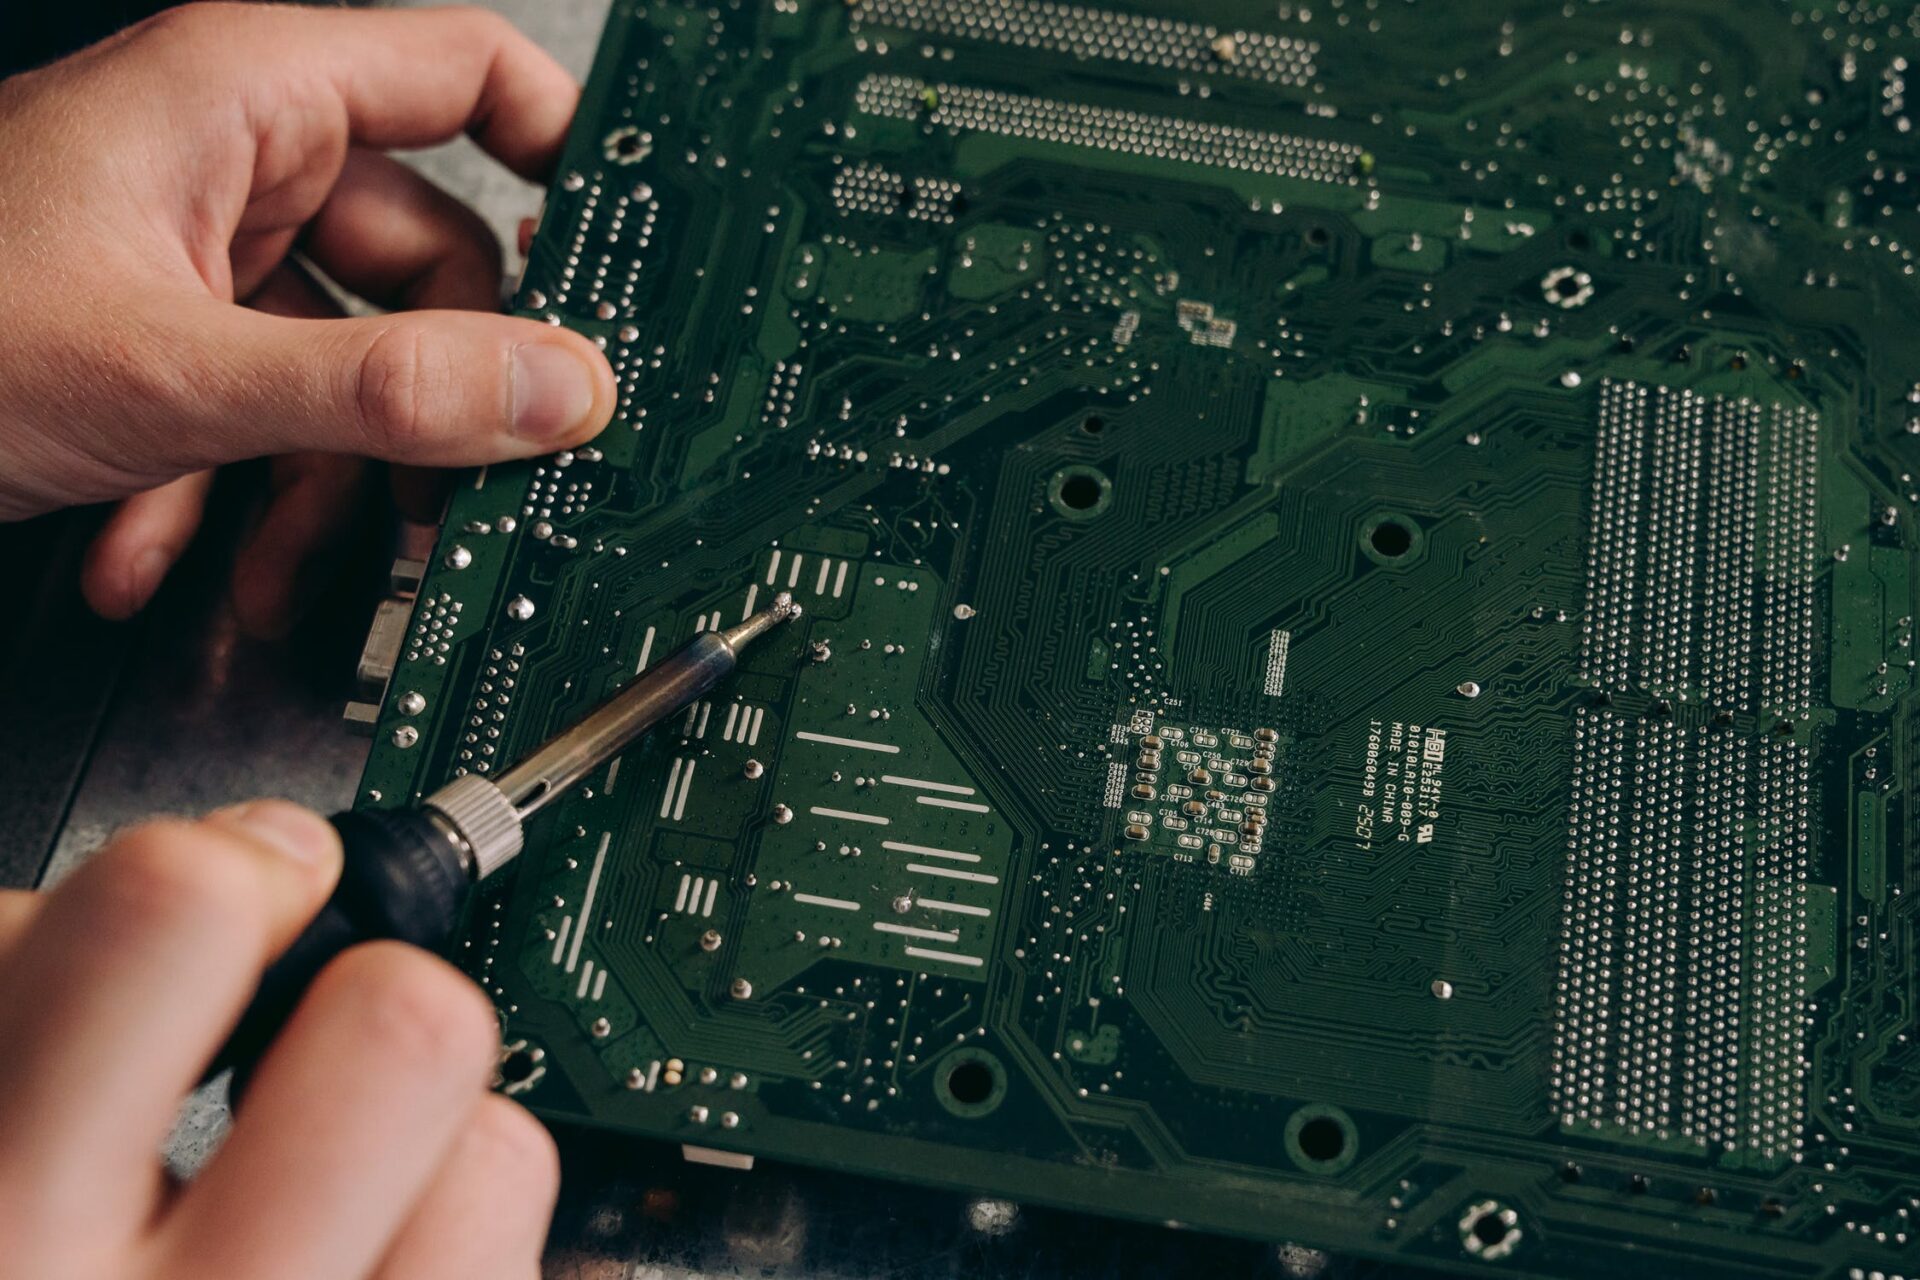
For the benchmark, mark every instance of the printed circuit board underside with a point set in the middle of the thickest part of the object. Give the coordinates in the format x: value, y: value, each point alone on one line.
x: 1356, y: 684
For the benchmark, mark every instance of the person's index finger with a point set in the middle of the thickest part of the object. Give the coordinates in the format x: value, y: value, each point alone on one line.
x: 396, y: 239
x: 415, y: 77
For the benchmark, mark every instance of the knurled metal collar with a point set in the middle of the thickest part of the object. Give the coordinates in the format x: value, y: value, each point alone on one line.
x: 485, y: 819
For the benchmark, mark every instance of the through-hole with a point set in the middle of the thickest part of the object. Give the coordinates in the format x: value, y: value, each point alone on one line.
x: 1489, y: 1229
x: 1391, y: 538
x: 1580, y: 240
x: 517, y: 1067
x: 1322, y: 1139
x: 1093, y: 426
x: 970, y: 1083
x: 1316, y: 236
x: 1080, y: 491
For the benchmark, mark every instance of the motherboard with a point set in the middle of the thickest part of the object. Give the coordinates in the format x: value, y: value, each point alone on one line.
x: 1356, y: 684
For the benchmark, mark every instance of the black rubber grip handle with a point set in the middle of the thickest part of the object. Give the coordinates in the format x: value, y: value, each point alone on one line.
x: 402, y: 879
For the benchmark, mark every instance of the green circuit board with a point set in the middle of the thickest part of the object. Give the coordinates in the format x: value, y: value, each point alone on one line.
x: 1356, y: 683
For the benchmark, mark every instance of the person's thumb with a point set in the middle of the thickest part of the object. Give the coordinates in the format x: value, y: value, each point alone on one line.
x: 429, y: 388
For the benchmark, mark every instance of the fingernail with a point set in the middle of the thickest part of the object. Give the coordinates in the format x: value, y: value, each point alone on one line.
x: 301, y: 834
x: 143, y: 577
x: 552, y: 392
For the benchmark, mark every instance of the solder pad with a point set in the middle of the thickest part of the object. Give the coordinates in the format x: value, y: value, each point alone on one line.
x: 1356, y: 683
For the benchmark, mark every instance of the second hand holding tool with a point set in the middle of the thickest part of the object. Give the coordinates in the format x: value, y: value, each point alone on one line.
x: 408, y: 871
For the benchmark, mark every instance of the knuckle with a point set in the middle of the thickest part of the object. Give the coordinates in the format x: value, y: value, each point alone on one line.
x: 401, y: 379
x: 422, y: 1012
x: 483, y: 20
x: 181, y: 22
x: 189, y: 26
x: 518, y: 1147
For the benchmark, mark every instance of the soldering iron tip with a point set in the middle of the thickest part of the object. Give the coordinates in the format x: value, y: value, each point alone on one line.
x: 783, y: 608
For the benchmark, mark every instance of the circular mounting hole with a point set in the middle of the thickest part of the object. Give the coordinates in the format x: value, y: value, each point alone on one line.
x: 1391, y: 539
x: 970, y: 1082
x: 1322, y: 1139
x: 1080, y: 493
x: 1317, y: 236
x: 521, y: 1066
x: 1490, y: 1231
x: 628, y: 145
x: 517, y: 1067
x: 1093, y: 426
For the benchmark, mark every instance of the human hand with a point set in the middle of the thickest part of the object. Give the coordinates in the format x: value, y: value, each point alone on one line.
x: 153, y: 325
x: 368, y: 1145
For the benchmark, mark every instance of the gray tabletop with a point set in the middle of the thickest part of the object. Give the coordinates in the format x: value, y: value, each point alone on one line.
x: 201, y: 717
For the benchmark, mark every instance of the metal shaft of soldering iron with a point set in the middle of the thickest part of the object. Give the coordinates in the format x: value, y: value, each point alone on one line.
x: 669, y: 688
x: 408, y: 871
